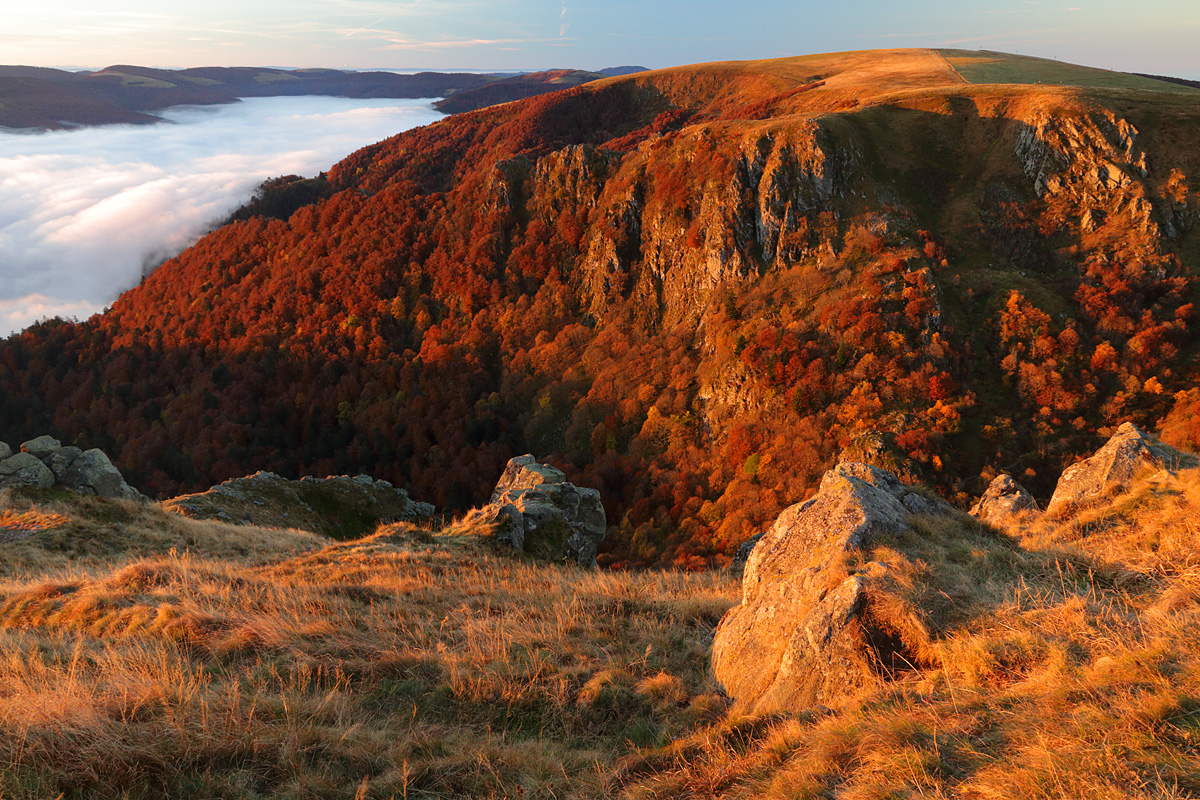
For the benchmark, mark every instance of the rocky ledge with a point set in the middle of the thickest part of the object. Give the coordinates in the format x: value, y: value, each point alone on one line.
x: 44, y: 462
x: 339, y: 505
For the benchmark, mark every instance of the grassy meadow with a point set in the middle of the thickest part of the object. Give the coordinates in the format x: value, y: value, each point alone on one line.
x: 145, y: 655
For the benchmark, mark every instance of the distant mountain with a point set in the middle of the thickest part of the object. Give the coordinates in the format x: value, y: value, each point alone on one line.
x: 37, y: 97
x: 615, y: 72
x: 689, y: 288
x: 519, y: 87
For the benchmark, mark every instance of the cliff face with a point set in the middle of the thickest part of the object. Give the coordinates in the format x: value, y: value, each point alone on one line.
x: 687, y: 288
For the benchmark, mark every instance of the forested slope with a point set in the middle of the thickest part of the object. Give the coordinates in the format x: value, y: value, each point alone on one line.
x: 688, y: 287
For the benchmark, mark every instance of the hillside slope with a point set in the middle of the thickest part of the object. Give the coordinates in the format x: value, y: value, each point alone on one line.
x: 143, y: 654
x: 688, y: 287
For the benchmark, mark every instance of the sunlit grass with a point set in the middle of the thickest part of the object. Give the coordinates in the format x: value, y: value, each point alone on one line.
x: 408, y: 663
x: 1055, y: 660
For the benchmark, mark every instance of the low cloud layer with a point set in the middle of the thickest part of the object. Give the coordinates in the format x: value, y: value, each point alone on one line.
x: 82, y: 213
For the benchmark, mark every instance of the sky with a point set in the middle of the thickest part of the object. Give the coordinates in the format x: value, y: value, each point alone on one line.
x: 83, y: 213
x: 1155, y: 36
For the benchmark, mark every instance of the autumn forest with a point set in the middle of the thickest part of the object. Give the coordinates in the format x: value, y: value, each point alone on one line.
x: 690, y: 289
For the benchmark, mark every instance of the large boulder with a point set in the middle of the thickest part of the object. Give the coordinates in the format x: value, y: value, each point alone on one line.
x: 5, y: 451
x: 537, y: 510
x: 25, y: 469
x: 1110, y: 470
x: 61, y: 460
x: 1004, y: 501
x: 42, y: 447
x: 91, y: 472
x: 805, y: 633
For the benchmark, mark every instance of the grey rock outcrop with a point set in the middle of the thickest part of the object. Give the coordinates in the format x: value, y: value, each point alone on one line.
x: 805, y: 633
x: 1110, y: 470
x: 42, y: 447
x: 43, y: 462
x: 25, y: 469
x: 92, y: 472
x: 59, y: 462
x: 538, y: 511
x: 339, y: 506
x: 1004, y: 501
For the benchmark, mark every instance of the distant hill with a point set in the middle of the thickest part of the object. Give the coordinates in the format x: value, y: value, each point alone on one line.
x: 614, y: 72
x: 515, y: 88
x: 37, y: 97
x: 48, y: 103
x: 1180, y: 81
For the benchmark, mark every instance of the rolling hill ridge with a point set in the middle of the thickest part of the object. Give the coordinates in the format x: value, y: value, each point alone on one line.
x: 39, y: 97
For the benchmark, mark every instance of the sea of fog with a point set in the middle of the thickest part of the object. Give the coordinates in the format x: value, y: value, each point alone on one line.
x: 83, y: 213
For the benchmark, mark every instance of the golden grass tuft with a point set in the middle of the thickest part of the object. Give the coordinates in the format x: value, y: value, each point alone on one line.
x: 26, y: 522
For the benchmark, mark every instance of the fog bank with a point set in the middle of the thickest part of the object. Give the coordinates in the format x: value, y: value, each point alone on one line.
x: 84, y: 212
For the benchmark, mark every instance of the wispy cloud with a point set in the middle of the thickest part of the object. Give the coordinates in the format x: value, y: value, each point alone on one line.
x: 414, y: 44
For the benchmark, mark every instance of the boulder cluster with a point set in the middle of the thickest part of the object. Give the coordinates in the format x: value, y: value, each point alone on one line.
x: 536, y: 510
x: 812, y: 629
x: 44, y: 462
x: 1109, y: 471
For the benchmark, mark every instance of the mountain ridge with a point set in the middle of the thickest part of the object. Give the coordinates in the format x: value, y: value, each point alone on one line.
x: 45, y: 98
x: 688, y: 288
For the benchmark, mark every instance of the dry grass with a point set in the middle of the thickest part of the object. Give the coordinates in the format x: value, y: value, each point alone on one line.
x: 58, y: 532
x: 1050, y: 660
x: 1061, y: 660
x: 403, y: 664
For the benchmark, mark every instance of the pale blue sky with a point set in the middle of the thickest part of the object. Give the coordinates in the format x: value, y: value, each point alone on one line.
x: 1148, y: 36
